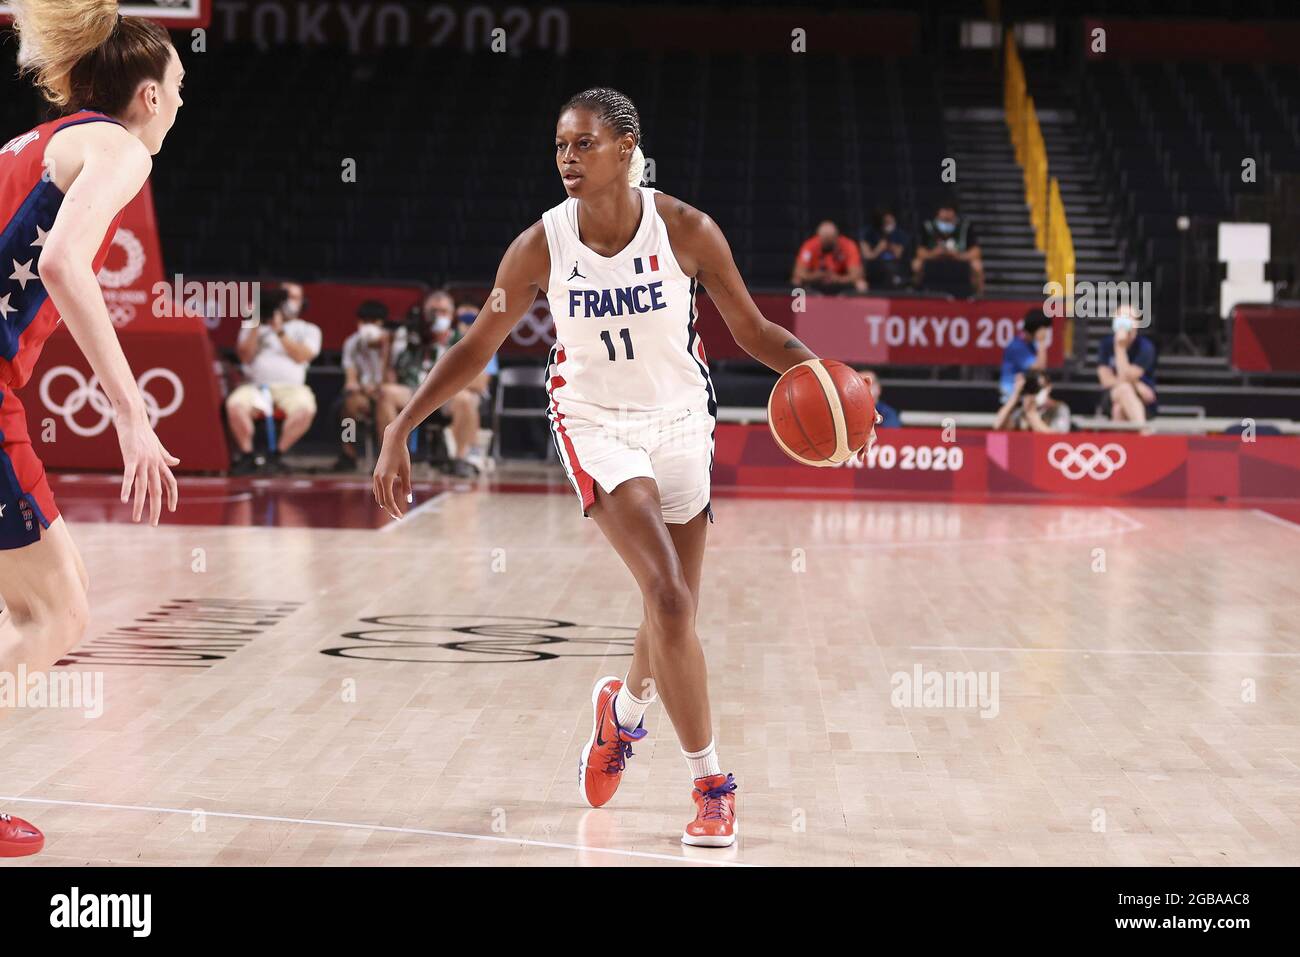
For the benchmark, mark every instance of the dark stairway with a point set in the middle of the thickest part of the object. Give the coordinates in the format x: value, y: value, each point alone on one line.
x: 990, y: 186
x: 1098, y: 252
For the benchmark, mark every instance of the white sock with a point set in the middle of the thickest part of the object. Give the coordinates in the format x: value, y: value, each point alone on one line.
x: 703, y: 763
x: 629, y: 709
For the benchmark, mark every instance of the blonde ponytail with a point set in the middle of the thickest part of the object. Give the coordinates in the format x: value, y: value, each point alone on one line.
x: 83, y: 56
x: 55, y: 34
x: 636, y: 167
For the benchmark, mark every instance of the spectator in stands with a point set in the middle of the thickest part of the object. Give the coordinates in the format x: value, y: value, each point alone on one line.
x: 416, y: 347
x: 365, y: 358
x: 1126, y: 369
x: 829, y: 263
x: 1026, y: 351
x: 466, y: 313
x: 948, y: 257
x: 295, y: 300
x: 1030, y: 407
x: 889, y: 417
x: 275, y: 349
x: 884, y: 249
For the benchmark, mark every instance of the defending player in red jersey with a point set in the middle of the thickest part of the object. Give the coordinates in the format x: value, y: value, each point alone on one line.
x: 63, y: 186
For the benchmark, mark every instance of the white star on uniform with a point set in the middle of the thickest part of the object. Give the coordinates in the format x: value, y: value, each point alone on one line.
x: 5, y: 308
x: 40, y: 237
x: 24, y: 273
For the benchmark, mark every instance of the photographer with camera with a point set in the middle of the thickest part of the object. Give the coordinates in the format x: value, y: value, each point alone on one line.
x: 1028, y: 350
x: 417, y: 345
x: 1031, y: 408
x: 275, y: 347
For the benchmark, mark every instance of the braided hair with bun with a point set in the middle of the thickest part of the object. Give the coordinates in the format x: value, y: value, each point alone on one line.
x: 616, y: 111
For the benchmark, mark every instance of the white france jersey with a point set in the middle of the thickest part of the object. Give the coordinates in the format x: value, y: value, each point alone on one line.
x: 625, y: 339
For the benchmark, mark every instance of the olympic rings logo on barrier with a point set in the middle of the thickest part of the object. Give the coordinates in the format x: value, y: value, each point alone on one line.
x: 134, y: 268
x: 532, y: 328
x: 1086, y: 459
x: 90, y: 394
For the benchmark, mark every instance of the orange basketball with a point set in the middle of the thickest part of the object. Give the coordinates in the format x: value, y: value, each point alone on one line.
x: 820, y: 412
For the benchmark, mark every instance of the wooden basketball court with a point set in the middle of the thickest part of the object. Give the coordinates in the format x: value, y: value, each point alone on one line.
x: 284, y: 685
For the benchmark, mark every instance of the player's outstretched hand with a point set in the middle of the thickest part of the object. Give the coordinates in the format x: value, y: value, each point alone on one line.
x: 862, y: 453
x: 147, y: 469
x: 392, y: 482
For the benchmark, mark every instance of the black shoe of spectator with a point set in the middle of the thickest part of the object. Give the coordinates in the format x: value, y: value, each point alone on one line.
x: 344, y: 463
x: 246, y: 464
x: 462, y: 469
x: 275, y: 465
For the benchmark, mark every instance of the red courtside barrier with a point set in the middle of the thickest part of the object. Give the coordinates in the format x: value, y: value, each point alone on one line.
x: 330, y: 305
x: 1266, y: 339
x: 906, y: 332
x: 1151, y: 469
x: 172, y: 360
x: 1200, y: 40
x: 858, y: 329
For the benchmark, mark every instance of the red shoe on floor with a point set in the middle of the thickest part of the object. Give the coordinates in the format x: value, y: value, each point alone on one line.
x: 18, y: 838
x: 715, y: 812
x: 600, y: 769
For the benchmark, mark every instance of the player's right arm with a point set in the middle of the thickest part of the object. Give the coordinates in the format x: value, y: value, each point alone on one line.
x: 114, y: 167
x: 522, y: 273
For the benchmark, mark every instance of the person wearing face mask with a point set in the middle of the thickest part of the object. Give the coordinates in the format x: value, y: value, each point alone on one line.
x: 275, y: 350
x: 365, y: 357
x: 829, y: 263
x: 295, y: 301
x: 1126, y: 370
x: 883, y: 245
x: 416, y: 348
x: 948, y: 258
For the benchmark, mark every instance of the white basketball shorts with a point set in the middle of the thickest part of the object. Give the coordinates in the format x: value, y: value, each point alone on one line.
x: 675, y: 449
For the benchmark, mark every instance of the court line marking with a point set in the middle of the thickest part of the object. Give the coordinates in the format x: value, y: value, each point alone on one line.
x: 1276, y: 519
x: 1109, y: 651
x: 354, y: 548
x: 1134, y: 524
x: 189, y: 812
x: 220, y: 500
x: 427, y: 504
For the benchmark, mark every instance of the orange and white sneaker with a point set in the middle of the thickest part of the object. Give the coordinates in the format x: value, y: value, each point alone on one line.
x: 715, y: 812
x: 600, y: 769
x: 18, y: 838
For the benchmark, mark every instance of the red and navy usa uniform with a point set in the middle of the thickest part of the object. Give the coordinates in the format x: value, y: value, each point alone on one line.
x: 29, y: 202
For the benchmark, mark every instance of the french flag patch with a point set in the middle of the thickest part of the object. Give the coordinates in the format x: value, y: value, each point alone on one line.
x: 650, y: 264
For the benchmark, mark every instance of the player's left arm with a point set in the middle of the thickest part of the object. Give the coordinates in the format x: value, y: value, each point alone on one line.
x: 115, y: 166
x: 702, y: 251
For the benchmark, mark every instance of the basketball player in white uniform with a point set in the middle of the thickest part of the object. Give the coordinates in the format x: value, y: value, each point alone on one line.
x: 632, y: 412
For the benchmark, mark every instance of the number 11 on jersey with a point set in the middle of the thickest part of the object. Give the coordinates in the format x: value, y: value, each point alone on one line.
x: 625, y: 335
